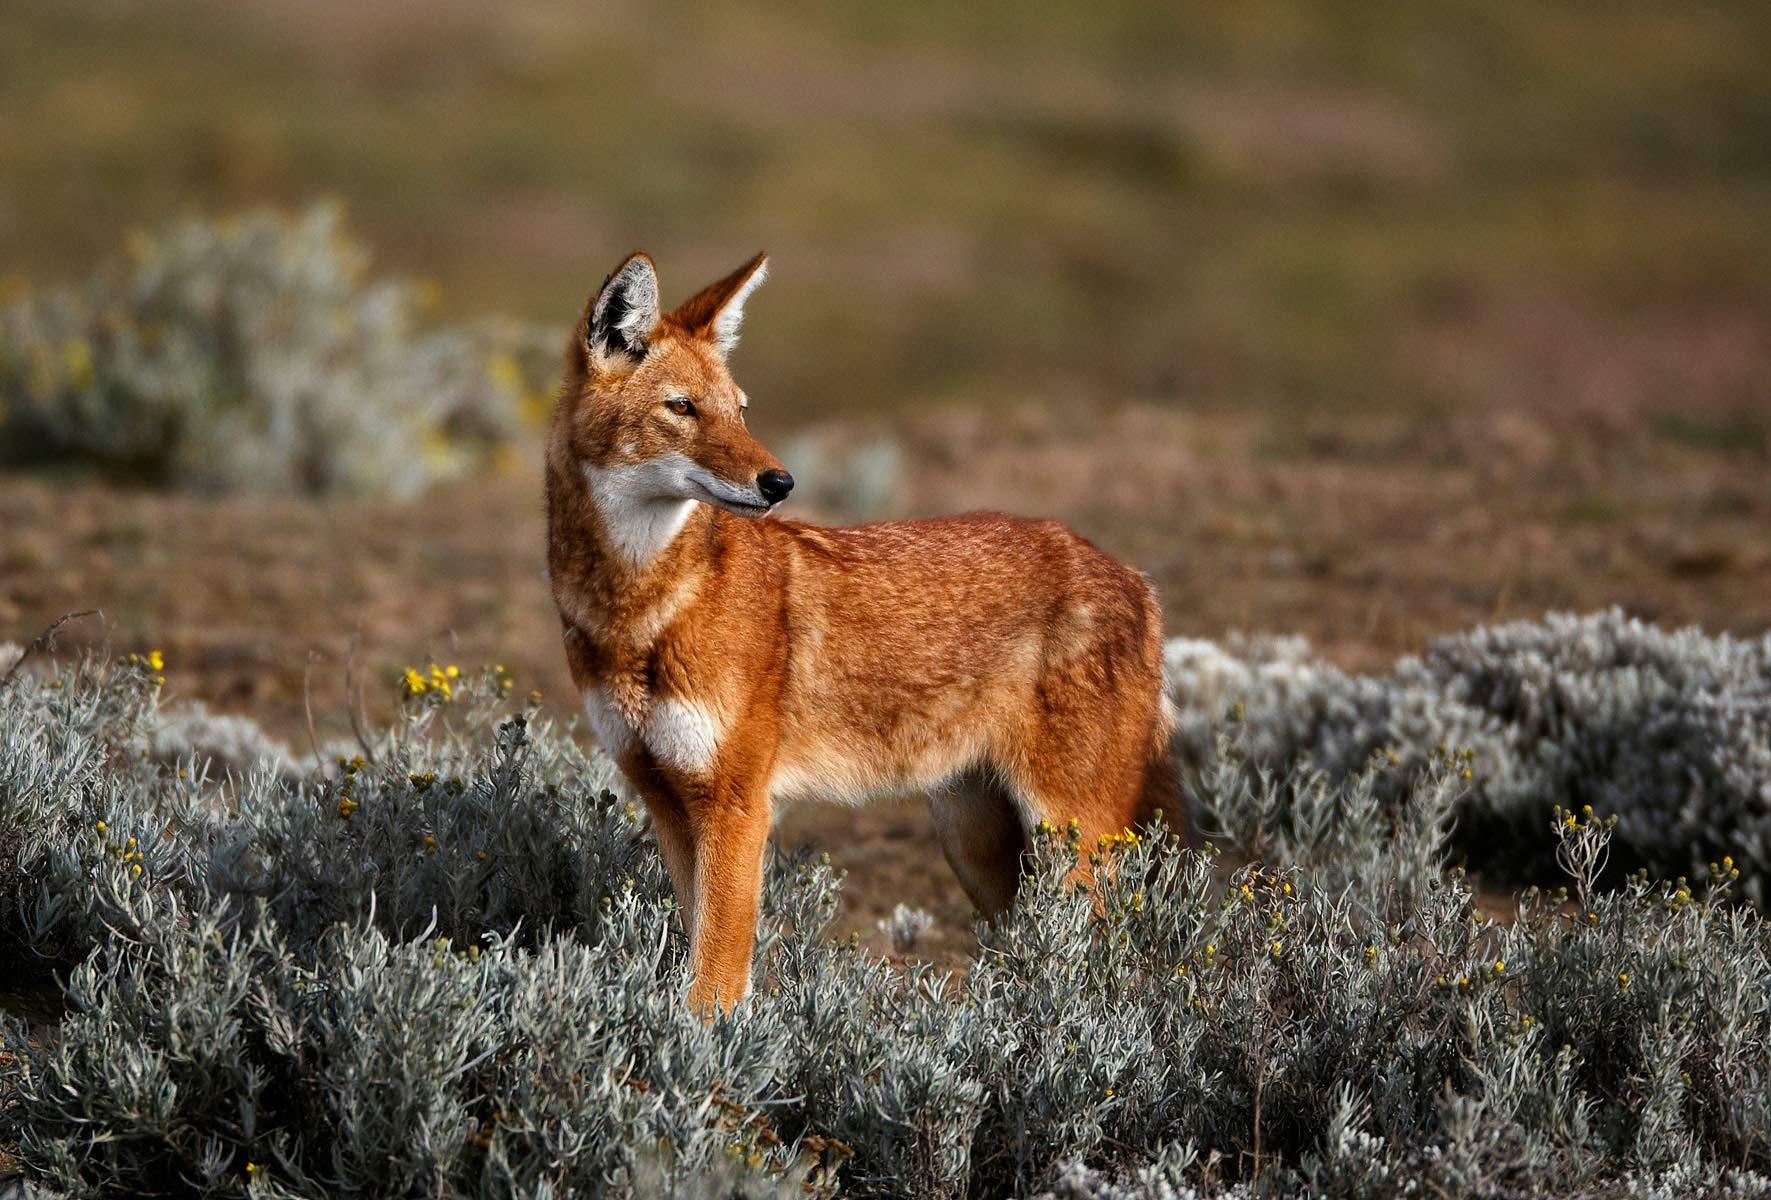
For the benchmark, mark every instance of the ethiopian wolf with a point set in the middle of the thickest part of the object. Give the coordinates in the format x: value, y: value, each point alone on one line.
x: 733, y: 662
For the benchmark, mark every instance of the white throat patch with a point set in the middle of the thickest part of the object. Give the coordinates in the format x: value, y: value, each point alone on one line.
x: 643, y: 505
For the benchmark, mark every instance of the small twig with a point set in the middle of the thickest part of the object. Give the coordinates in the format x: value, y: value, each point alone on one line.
x: 45, y: 641
x: 307, y: 704
x: 1502, y: 597
x: 1260, y: 1079
x: 353, y: 706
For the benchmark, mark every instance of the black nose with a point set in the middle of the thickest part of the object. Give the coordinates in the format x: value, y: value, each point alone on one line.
x: 774, y: 485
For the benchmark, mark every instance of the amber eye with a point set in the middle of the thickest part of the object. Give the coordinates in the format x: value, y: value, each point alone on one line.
x: 681, y: 406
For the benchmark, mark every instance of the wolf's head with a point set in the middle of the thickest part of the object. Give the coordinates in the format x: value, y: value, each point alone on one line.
x: 650, y: 413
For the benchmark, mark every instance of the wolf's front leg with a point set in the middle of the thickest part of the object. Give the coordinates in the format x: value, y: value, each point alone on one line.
x: 732, y: 832
x: 676, y: 841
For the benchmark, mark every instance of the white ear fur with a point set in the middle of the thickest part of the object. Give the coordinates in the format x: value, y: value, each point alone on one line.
x: 731, y: 314
x: 626, y: 309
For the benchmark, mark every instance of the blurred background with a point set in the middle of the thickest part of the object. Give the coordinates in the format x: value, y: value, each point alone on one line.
x: 1360, y: 321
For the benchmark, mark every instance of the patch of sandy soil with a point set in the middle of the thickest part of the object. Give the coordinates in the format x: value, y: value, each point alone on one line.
x: 1369, y: 538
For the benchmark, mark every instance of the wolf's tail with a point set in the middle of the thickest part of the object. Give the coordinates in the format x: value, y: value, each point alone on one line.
x: 1162, y: 777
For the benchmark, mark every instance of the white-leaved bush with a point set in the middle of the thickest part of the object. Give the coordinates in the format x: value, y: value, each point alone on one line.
x: 253, y: 354
x: 1670, y: 732
x: 905, y: 927
x: 452, y: 967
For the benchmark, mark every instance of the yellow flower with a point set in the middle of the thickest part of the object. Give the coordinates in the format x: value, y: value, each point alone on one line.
x: 414, y: 683
x: 100, y: 826
x: 439, y: 454
x: 507, y: 460
x: 1500, y: 964
x: 505, y: 373
x: 156, y: 660
x: 76, y: 357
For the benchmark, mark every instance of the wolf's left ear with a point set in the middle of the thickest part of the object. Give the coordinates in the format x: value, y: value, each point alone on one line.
x: 717, y: 311
x: 620, y: 318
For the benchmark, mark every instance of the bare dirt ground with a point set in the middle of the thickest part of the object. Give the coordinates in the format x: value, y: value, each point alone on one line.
x: 1368, y: 537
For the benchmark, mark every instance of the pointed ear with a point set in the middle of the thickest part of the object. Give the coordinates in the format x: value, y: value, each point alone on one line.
x: 620, y: 318
x: 718, y: 310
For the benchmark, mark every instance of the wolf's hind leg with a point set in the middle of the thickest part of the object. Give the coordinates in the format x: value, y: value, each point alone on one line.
x: 980, y: 830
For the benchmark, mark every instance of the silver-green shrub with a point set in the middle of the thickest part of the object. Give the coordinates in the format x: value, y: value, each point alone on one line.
x: 1668, y: 731
x: 451, y: 967
x: 905, y: 927
x: 217, y: 743
x: 251, y: 354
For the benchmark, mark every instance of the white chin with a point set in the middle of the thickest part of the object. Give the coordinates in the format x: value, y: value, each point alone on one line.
x: 732, y: 504
x: 743, y: 510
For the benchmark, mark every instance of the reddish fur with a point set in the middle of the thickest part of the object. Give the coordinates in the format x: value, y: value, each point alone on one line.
x: 1007, y: 664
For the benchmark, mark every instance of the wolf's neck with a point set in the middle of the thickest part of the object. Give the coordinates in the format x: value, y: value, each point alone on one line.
x: 613, y: 559
x: 636, y: 530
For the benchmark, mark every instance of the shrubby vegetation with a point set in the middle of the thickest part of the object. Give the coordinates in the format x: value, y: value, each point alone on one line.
x: 1670, y: 732
x: 450, y: 966
x: 253, y: 354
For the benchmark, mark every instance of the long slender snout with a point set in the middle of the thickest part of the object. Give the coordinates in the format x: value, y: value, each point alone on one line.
x: 754, y: 499
x: 774, y: 485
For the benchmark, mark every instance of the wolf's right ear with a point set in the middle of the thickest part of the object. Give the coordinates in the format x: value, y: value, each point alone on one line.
x: 619, y: 319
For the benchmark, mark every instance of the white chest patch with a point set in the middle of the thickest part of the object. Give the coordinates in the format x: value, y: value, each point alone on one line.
x: 683, y: 734
x: 610, y: 727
